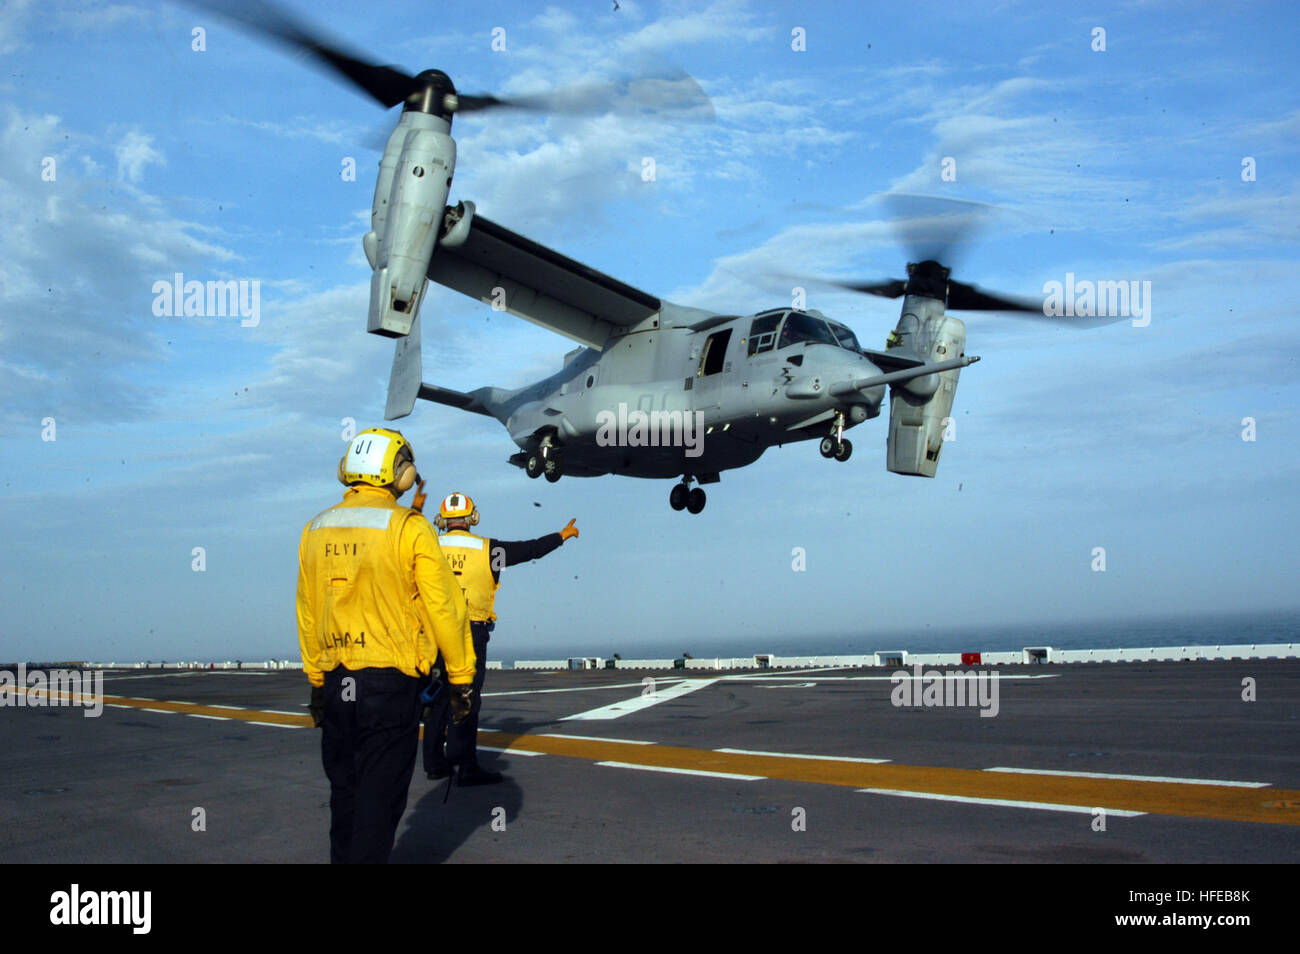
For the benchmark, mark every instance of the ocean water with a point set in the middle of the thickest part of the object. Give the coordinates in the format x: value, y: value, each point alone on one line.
x: 1272, y: 627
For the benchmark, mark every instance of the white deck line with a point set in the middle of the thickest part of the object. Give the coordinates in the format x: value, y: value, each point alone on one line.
x: 1131, y: 778
x: 637, y: 703
x: 681, y: 771
x: 493, y: 748
x: 1003, y: 802
x: 592, y: 738
x: 619, y: 685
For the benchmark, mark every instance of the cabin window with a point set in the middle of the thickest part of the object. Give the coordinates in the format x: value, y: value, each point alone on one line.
x: 715, y: 353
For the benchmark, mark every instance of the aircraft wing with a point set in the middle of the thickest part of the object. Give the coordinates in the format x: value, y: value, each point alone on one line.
x: 539, y: 284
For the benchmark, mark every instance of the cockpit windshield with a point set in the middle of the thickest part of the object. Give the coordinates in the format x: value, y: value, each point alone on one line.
x: 800, y: 327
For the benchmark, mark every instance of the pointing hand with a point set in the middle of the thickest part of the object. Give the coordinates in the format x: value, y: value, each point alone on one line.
x: 570, y: 530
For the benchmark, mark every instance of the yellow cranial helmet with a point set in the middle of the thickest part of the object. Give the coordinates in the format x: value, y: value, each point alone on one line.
x: 379, y: 457
x: 456, y: 506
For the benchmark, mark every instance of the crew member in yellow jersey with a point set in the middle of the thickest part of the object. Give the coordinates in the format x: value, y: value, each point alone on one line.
x: 477, y: 563
x: 377, y: 604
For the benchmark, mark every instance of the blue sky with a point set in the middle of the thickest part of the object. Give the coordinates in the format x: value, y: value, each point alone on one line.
x: 176, y: 433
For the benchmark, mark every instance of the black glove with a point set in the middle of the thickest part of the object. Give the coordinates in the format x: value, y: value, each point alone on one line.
x: 461, y: 699
x: 317, y: 706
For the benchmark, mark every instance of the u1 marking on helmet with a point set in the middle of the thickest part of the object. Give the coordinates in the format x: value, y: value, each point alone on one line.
x: 379, y: 457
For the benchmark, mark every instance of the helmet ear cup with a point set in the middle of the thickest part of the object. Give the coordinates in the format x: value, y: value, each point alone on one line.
x: 440, y: 521
x: 473, y: 518
x: 342, y: 477
x: 405, y: 478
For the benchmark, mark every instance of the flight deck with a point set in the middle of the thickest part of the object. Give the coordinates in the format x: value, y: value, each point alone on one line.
x: 1122, y: 762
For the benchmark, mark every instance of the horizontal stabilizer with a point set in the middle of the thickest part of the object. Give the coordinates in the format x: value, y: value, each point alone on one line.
x: 458, y: 399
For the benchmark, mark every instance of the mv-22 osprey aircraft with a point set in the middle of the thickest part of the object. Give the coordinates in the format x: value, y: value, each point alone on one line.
x: 662, y: 371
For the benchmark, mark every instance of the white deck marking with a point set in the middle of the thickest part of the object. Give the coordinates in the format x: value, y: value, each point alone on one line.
x: 1132, y: 778
x: 637, y: 703
x: 492, y: 748
x: 198, y: 715
x: 163, y: 711
x: 1003, y: 802
x: 681, y: 771
x: 194, y: 672
x: 619, y: 685
x: 278, y: 725
x: 593, y: 738
x: 792, y: 755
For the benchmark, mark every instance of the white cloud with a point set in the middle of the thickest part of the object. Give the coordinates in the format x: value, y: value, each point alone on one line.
x: 134, y: 152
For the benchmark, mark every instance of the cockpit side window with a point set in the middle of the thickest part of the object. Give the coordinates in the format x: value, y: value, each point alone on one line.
x: 800, y: 327
x: 846, y: 338
x: 762, y: 333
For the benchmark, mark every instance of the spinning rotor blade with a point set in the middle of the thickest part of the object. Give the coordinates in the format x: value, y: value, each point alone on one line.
x: 887, y: 289
x: 963, y: 297
x: 385, y: 84
x: 929, y: 226
x: 651, y: 92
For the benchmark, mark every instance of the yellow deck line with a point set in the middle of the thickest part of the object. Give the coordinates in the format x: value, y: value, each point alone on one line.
x: 1272, y: 806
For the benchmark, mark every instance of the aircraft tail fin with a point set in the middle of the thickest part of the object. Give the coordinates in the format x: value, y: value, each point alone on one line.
x: 404, y: 381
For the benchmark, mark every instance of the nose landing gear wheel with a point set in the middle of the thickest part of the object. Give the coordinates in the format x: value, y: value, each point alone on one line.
x: 696, y: 500
x: 827, y: 447
x: 843, y: 451
x: 534, y: 467
x: 677, y: 497
x: 553, y: 470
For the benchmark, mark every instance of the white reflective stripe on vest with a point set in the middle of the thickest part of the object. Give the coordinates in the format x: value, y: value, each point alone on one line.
x: 469, y: 543
x: 364, y: 518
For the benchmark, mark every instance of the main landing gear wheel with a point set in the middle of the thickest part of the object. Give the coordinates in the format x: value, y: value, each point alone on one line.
x: 677, y: 496
x: 553, y: 470
x: 843, y: 451
x: 534, y: 467
x: 827, y: 447
x: 696, y: 500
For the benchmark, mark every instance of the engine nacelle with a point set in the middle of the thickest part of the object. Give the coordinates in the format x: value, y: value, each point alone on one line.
x: 405, y: 225
x: 920, y: 409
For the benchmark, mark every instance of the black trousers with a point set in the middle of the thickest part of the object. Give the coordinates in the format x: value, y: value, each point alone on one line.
x: 368, y: 746
x: 446, y: 744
